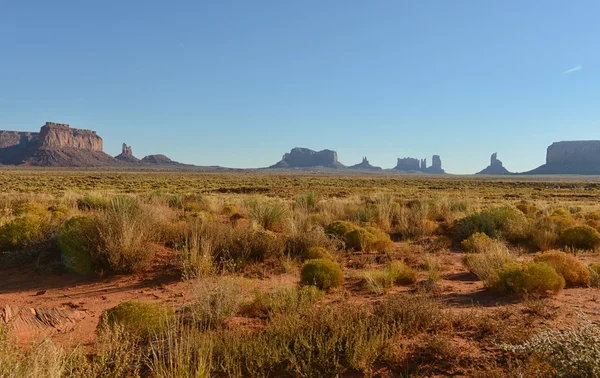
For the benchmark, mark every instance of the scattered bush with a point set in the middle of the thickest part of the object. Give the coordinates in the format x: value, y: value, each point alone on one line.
x: 340, y: 229
x: 322, y: 273
x: 213, y: 304
x: 527, y: 278
x: 580, y: 237
x: 478, y: 242
x: 572, y: 270
x: 76, y: 238
x: 317, y: 253
x: 139, y: 318
x: 412, y: 314
x: 528, y: 210
x: 285, y: 301
x: 308, y: 201
x: 22, y: 232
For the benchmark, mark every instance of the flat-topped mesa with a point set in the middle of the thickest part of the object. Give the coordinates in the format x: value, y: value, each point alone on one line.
x: 408, y: 164
x: 578, y: 157
x: 16, y: 138
x: 59, y: 135
x: 306, y: 158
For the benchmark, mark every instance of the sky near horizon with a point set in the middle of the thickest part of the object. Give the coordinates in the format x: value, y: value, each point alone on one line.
x: 239, y: 83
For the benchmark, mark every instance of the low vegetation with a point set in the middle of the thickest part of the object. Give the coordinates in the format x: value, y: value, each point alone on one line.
x: 310, y: 276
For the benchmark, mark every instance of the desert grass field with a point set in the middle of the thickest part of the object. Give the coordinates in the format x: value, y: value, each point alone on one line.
x: 297, y: 274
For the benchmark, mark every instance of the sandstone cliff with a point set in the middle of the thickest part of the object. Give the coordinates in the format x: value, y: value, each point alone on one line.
x: 55, y: 145
x: 161, y: 160
x: 305, y: 158
x: 495, y: 167
x: 571, y: 157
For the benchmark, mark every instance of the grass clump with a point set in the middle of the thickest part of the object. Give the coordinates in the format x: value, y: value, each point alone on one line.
x: 285, y: 301
x: 75, y: 240
x: 478, y: 242
x: 322, y: 273
x: 397, y: 273
x: 412, y: 314
x: 143, y: 319
x: 580, y: 237
x: 527, y: 278
x: 359, y: 238
x: 265, y: 213
x: 573, y: 271
x: 93, y: 202
x: 487, y: 263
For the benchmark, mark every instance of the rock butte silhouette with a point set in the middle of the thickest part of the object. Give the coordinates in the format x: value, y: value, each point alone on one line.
x: 59, y: 145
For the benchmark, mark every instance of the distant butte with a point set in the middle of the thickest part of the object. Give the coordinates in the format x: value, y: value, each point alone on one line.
x: 365, y: 165
x: 581, y: 157
x: 495, y: 167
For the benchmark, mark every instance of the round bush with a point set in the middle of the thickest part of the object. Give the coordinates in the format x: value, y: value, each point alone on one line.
x: 139, y: 318
x: 594, y: 270
x: 528, y: 278
x: 580, y: 237
x: 340, y: 228
x: 573, y: 271
x: 322, y: 273
x: 477, y: 242
x: 499, y: 221
x: 22, y: 232
x: 317, y: 253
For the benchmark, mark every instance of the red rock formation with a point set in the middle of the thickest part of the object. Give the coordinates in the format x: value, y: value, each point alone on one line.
x: 58, y: 136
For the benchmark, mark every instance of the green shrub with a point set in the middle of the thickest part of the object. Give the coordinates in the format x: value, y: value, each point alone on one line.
x: 527, y: 278
x: 368, y: 239
x: 477, y: 242
x: 580, y: 237
x: 339, y: 229
x: 572, y: 270
x: 527, y: 209
x: 22, y: 232
x: 496, y: 222
x: 76, y: 238
x: 32, y: 209
x: 322, y: 273
x: 594, y: 271
x: 317, y: 253
x: 93, y: 202
x: 143, y: 319
x: 412, y: 313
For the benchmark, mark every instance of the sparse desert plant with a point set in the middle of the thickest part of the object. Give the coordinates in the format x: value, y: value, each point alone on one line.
x: 317, y: 253
x: 322, y: 273
x: 368, y: 239
x: 433, y: 266
x: 594, y: 271
x: 478, y: 242
x: 572, y: 352
x: 213, y: 304
x: 266, y: 213
x: 300, y: 244
x: 487, y: 263
x: 139, y: 318
x: 76, y: 238
x: 339, y: 229
x: 22, y: 232
x: 528, y: 209
x: 580, y: 237
x: 573, y: 271
x: 527, y: 278
x: 288, y: 300
x: 93, y: 202
x: 412, y: 314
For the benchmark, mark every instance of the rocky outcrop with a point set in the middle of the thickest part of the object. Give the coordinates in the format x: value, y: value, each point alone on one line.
x: 55, y: 145
x: 306, y: 158
x: 126, y: 155
x: 495, y: 167
x: 580, y: 157
x: 365, y: 165
x: 416, y: 165
x: 160, y: 160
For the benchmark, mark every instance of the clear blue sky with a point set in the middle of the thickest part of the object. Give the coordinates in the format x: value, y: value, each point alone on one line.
x: 238, y: 83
